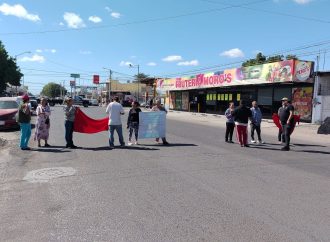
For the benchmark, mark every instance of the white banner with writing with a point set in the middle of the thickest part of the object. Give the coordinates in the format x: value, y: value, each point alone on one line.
x: 152, y: 125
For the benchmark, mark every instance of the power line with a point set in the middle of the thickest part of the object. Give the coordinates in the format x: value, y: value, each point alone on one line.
x: 151, y: 20
x: 273, y: 12
x: 216, y: 67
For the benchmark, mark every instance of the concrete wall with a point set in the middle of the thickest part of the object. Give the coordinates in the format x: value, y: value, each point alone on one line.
x: 321, y: 105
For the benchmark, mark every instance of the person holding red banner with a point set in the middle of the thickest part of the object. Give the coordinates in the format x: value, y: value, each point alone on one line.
x: 69, y: 117
x: 287, y: 122
x: 115, y: 110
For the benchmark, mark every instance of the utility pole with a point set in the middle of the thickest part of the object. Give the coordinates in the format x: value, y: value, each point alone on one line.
x: 110, y: 77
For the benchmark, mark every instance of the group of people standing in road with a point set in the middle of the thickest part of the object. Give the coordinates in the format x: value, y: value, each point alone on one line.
x: 239, y: 117
x: 115, y: 110
x: 42, y: 122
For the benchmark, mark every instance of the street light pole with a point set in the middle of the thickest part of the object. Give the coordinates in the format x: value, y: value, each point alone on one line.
x: 138, y: 78
x: 110, y: 76
x: 15, y: 58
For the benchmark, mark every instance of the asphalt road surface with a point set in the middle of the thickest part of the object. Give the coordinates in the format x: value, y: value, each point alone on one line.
x: 197, y: 189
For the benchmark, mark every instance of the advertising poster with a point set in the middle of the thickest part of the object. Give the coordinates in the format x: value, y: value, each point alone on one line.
x: 302, y: 101
x: 152, y: 125
x: 172, y: 100
x: 185, y: 101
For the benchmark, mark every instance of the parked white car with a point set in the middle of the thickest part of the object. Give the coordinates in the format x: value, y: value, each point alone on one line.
x: 93, y: 102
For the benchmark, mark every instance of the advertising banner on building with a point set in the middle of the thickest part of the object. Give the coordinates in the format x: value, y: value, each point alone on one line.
x: 277, y: 72
x: 152, y: 125
x: 302, y: 101
x: 185, y: 101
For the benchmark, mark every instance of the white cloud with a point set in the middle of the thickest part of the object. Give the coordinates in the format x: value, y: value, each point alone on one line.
x: 115, y: 15
x: 61, y: 24
x: 46, y: 50
x: 73, y: 20
x: 85, y: 52
x: 151, y: 64
x: 18, y: 11
x: 188, y: 63
x: 302, y: 1
x: 125, y: 63
x: 233, y: 53
x: 108, y: 9
x: 95, y: 19
x: 172, y: 58
x: 34, y: 58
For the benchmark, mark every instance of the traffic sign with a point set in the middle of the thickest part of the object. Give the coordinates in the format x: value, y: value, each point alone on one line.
x: 75, y: 75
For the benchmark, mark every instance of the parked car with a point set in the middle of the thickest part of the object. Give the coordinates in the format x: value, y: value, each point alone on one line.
x: 34, y: 105
x: 77, y: 100
x: 8, y: 110
x: 93, y: 102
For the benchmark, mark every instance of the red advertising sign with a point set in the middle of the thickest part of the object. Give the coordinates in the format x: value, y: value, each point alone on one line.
x: 96, y: 79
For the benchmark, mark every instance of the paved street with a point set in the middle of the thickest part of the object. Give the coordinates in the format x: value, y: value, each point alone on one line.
x: 197, y: 189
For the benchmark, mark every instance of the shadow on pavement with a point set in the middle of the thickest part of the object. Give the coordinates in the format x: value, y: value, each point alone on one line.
x: 314, y: 152
x: 169, y: 145
x: 61, y: 150
x: 306, y: 145
x: 119, y: 148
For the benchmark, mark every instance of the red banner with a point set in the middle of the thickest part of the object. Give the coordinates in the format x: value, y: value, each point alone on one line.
x: 85, y: 124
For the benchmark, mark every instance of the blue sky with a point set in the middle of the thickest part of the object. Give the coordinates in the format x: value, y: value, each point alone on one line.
x: 166, y: 38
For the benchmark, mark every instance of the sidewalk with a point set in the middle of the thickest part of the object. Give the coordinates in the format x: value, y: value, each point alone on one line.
x: 304, y: 132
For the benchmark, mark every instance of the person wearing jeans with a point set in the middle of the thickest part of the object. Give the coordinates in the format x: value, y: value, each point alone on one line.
x: 256, y: 122
x: 69, y: 116
x: 287, y: 122
x: 24, y: 120
x: 230, y: 124
x: 115, y: 110
x: 119, y: 130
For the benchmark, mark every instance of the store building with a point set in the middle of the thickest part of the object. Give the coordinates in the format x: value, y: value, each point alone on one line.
x: 267, y: 84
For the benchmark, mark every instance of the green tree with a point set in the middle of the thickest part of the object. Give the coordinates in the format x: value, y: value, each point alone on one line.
x: 291, y: 57
x: 275, y: 58
x: 9, y: 71
x: 53, y: 90
x: 140, y: 76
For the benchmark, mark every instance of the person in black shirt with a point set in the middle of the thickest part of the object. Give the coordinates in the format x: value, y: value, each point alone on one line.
x: 133, y: 122
x: 287, y: 121
x: 241, y: 116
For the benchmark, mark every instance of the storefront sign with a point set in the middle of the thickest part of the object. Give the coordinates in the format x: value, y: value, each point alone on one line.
x: 277, y: 72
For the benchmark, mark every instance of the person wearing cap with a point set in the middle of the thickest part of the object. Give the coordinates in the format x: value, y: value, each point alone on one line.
x: 287, y: 122
x: 24, y: 120
x: 69, y: 117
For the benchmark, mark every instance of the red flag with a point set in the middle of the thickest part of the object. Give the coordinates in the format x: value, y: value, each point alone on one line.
x: 276, y: 120
x: 85, y: 124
